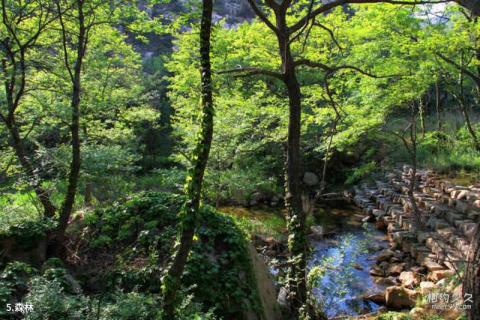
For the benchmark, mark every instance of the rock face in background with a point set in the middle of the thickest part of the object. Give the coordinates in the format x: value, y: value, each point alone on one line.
x: 232, y: 11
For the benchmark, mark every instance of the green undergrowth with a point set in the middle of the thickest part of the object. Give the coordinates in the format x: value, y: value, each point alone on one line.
x: 122, y: 253
x: 269, y: 223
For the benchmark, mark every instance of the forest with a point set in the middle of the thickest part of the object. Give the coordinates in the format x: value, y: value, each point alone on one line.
x: 240, y: 159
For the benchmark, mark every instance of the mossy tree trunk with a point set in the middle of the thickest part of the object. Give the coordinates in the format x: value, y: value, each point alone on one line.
x: 296, y: 217
x: 171, y: 282
x: 471, y: 283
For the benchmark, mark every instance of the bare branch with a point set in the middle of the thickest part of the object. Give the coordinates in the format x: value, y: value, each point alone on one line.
x: 262, y: 16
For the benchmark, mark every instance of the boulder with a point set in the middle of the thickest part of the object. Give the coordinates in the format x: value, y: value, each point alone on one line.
x: 377, y: 272
x: 317, y: 232
x: 409, y: 279
x: 462, y: 195
x: 426, y: 287
x: 357, y: 266
x: 282, y: 298
x: 438, y: 275
x: 368, y: 218
x: 432, y: 265
x: 395, y: 269
x: 468, y: 229
x: 389, y: 281
x: 398, y: 297
x: 378, y: 298
x: 310, y: 179
x: 385, y: 255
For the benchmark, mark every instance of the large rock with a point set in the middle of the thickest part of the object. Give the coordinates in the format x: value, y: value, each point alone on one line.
x: 427, y: 287
x: 438, y: 275
x: 409, y: 279
x: 385, y: 255
x: 265, y: 288
x: 310, y: 179
x: 395, y: 269
x: 317, y: 232
x: 386, y: 282
x: 378, y: 298
x: 432, y: 265
x: 399, y: 297
x: 418, y: 313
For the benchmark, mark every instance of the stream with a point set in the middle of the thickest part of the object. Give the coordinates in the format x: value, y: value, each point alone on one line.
x: 344, y: 257
x: 345, y: 260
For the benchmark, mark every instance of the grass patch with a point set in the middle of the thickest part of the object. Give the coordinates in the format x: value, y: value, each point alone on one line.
x: 266, y: 222
x: 17, y: 208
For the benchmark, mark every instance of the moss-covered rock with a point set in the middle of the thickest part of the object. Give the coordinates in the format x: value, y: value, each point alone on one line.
x: 131, y: 244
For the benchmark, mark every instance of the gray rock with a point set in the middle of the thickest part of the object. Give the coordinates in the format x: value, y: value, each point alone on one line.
x: 282, y: 298
x: 310, y: 179
x: 399, y: 297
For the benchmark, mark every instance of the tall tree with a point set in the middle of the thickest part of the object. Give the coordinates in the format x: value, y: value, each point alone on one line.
x: 22, y: 27
x: 471, y: 282
x: 75, y: 74
x: 171, y: 282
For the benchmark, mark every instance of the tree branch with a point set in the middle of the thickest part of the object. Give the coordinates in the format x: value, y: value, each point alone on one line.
x: 331, y: 70
x: 251, y: 71
x: 262, y: 16
x: 328, y: 6
x: 330, y: 32
x: 472, y: 75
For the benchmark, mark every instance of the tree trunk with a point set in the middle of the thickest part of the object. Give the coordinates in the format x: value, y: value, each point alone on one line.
x: 471, y: 283
x: 297, y: 244
x: 461, y: 101
x: 34, y: 179
x: 88, y: 196
x: 417, y: 225
x: 437, y: 106
x: 58, y: 241
x: 171, y: 282
x: 421, y: 113
x: 472, y: 5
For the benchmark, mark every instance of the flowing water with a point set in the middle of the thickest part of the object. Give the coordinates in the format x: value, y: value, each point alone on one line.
x: 343, y: 261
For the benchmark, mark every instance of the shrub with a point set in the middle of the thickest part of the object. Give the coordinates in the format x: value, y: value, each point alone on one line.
x: 140, y: 233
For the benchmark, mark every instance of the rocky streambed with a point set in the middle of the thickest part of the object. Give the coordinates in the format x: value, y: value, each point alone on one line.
x: 422, y: 268
x: 371, y: 260
x: 346, y: 286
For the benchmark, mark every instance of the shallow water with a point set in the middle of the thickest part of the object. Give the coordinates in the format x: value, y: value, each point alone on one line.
x: 345, y: 260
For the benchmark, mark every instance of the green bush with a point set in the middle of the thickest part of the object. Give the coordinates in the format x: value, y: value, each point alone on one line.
x: 359, y: 173
x: 143, y: 228
x: 394, y: 316
x: 29, y: 232
x: 50, y: 301
x: 14, y: 283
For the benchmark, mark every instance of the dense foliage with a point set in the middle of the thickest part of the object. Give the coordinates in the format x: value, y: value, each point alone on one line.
x: 103, y: 138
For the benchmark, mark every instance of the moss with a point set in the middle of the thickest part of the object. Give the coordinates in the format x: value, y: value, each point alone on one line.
x: 218, y: 274
x: 28, y: 233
